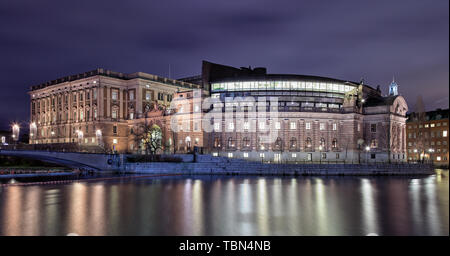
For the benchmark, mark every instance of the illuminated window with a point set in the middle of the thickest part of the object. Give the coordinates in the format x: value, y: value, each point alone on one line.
x: 148, y: 95
x: 245, y: 154
x: 113, y: 114
x: 261, y: 155
x: 262, y: 125
x: 426, y: 126
x: 217, y: 126
x: 431, y: 125
x: 277, y: 125
x: 294, y: 155
x: 246, y: 126
x: 215, y: 154
x: 308, y: 126
x: 231, y: 126
x: 321, y: 126
x: 114, y: 94
x: 114, y: 141
x: 131, y: 93
x: 334, y: 127
x: 373, y: 127
x: 444, y: 133
x: 438, y: 158
x: 230, y: 155
x: 293, y: 125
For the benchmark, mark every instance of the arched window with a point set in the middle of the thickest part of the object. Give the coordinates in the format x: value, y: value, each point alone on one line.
x: 293, y: 143
x: 322, y: 142
x: 278, y: 144
x: 216, y: 142
x: 230, y: 143
x: 334, y: 144
x: 245, y: 142
x: 261, y: 144
x: 308, y: 142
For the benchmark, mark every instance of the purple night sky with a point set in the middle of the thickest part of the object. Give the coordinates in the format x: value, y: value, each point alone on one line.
x: 44, y: 40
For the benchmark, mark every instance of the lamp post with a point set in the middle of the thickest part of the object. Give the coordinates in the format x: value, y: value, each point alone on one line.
x: 367, y: 153
x: 431, y: 155
x: 320, y: 154
x: 15, y: 132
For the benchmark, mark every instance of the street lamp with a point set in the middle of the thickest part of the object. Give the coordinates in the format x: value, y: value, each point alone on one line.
x: 320, y: 153
x: 15, y: 132
x: 367, y: 153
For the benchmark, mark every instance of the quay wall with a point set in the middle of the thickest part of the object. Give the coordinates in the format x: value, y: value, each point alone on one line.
x: 224, y: 166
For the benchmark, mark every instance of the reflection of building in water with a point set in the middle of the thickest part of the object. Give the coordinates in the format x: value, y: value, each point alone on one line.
x: 319, y: 118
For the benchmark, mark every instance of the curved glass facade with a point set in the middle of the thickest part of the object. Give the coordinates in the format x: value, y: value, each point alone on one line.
x: 281, y: 86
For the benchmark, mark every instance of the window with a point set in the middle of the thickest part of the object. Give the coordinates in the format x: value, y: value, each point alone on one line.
x: 308, y: 142
x: 337, y: 155
x: 426, y: 126
x: 216, y: 142
x: 309, y: 157
x: 215, y: 154
x: 114, y: 95
x: 245, y: 155
x: 230, y: 155
x: 95, y: 113
x: 148, y: 95
x: 114, y: 141
x: 246, y: 126
x: 438, y: 158
x: 131, y: 115
x: 231, y: 126
x: 373, y: 143
x: 131, y: 94
x: 261, y: 155
x: 372, y: 156
x: 444, y: 133
x: 115, y: 129
x: 217, y: 127
x: 358, y: 127
x: 308, y: 126
x: 322, y: 143
x: 293, y: 143
x: 293, y: 125
x: 114, y: 113
x: 294, y: 155
x: 277, y: 125
x: 88, y: 95
x: 321, y: 126
x: 230, y: 143
x: 324, y: 156
x: 334, y: 127
x: 278, y: 144
x: 262, y: 125
x: 373, y: 127
x: 431, y: 125
x: 246, y: 142
x: 334, y: 144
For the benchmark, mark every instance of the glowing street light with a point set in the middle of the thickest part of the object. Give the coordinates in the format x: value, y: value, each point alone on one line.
x: 367, y: 148
x: 15, y: 132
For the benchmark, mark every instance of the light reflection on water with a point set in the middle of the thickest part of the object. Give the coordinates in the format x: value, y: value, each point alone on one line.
x: 208, y: 205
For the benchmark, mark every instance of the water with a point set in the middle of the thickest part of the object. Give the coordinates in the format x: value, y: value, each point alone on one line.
x: 208, y: 205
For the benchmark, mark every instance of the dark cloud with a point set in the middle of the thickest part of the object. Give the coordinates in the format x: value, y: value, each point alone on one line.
x: 349, y: 39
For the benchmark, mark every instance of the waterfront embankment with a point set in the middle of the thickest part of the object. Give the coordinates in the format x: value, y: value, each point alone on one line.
x: 205, y: 164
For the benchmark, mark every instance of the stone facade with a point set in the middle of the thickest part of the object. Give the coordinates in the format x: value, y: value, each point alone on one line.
x: 340, y: 121
x: 94, y: 108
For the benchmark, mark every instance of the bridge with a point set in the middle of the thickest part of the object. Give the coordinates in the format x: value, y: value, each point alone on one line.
x: 86, y: 161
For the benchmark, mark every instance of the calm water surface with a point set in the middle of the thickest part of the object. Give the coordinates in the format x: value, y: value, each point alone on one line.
x: 207, y: 205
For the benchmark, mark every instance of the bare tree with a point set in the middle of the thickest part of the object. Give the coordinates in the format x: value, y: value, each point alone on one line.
x: 149, y: 136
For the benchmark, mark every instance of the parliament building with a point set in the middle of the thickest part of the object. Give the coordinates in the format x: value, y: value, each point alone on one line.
x: 306, y: 118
